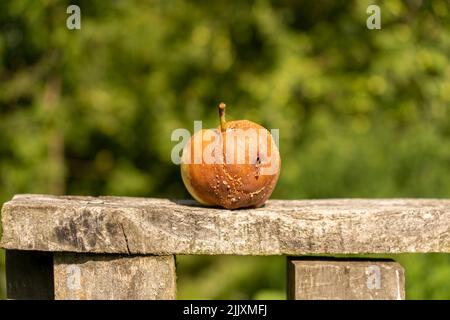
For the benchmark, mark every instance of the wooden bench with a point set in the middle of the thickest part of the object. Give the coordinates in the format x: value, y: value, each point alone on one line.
x: 73, y: 247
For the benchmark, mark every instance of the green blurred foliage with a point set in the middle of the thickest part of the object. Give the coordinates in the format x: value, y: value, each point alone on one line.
x: 362, y: 113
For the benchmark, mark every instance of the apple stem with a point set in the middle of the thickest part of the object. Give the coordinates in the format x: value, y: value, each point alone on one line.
x: 222, y: 116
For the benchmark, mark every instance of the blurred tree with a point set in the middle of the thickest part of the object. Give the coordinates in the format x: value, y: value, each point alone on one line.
x: 362, y: 113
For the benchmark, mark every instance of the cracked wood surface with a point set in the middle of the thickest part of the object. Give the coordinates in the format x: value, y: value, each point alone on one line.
x: 161, y: 226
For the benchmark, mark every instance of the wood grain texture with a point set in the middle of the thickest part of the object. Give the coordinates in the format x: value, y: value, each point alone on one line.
x: 161, y: 226
x: 114, y: 277
x: 345, y: 280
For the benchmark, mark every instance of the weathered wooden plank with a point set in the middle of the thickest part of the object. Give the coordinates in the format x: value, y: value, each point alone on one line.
x: 160, y: 226
x: 311, y: 279
x: 114, y: 277
x: 29, y: 275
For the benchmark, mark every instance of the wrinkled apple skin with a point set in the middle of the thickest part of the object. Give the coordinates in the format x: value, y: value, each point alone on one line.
x: 230, y: 185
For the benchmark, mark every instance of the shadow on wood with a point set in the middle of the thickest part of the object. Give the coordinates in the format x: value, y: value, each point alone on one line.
x: 29, y: 275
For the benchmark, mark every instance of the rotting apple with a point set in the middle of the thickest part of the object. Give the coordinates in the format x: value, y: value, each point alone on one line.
x: 234, y: 166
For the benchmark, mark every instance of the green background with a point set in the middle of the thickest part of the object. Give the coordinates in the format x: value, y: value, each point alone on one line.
x: 361, y: 113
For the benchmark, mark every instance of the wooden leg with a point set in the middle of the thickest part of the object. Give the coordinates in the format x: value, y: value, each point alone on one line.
x: 117, y: 277
x: 29, y: 275
x: 344, y: 279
